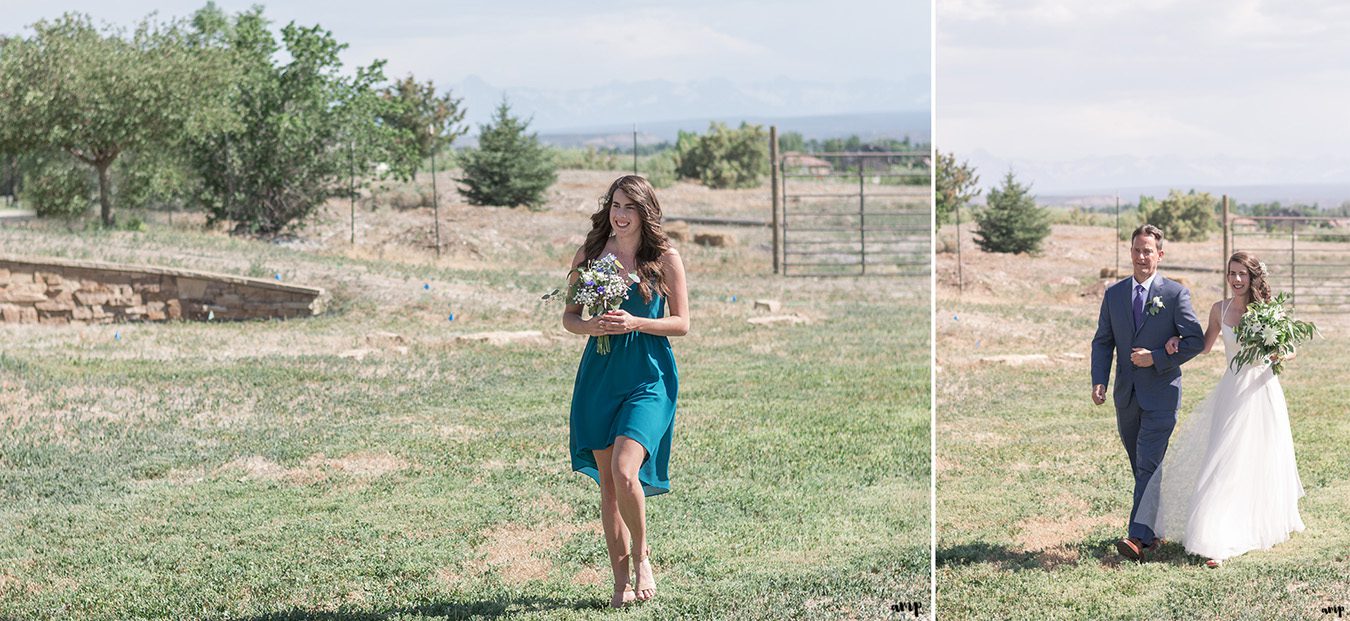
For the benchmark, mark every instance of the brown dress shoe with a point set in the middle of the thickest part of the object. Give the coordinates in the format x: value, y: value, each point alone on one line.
x: 1131, y: 548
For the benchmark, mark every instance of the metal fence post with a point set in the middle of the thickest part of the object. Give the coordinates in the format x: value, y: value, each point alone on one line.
x: 1226, y: 249
x: 1293, y: 264
x: 435, y: 200
x: 1115, y: 239
x: 351, y: 159
x: 773, y: 181
x: 862, y: 219
x: 960, y: 278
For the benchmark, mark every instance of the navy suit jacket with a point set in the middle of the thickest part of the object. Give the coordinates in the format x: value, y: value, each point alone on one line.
x: 1157, y: 387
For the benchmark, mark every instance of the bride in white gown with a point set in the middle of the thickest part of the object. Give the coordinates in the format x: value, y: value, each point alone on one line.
x: 1229, y: 483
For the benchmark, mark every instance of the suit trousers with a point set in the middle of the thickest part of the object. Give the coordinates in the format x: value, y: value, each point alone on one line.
x: 1145, y: 434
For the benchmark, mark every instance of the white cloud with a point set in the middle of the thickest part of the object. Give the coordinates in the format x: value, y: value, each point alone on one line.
x: 581, y: 50
x: 1065, y: 79
x: 580, y: 43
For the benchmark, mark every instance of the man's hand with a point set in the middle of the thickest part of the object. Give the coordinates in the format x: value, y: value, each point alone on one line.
x: 1141, y: 357
x: 1098, y: 394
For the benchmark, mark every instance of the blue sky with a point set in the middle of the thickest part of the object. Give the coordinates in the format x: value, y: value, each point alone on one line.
x: 572, y: 46
x: 1152, y: 91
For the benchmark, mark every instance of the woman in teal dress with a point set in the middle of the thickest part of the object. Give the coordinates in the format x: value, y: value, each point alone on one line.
x: 623, y: 403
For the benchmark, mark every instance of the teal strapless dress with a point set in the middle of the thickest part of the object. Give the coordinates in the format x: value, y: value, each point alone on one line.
x: 628, y: 392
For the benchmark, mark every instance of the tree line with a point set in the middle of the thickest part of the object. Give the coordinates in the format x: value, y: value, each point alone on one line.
x: 217, y: 113
x: 1011, y: 221
x: 212, y: 111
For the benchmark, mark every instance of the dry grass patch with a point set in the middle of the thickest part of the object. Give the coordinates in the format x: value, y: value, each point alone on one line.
x: 1071, y: 524
x: 448, y: 578
x: 259, y: 468
x: 458, y: 433
x: 18, y: 405
x: 312, y: 469
x: 592, y: 575
x: 551, y: 506
x: 515, y: 552
x: 359, y: 465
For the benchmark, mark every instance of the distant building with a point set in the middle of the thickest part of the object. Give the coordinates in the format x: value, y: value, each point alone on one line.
x: 800, y: 162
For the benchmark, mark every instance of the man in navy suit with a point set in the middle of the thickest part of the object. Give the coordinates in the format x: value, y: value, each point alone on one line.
x: 1138, y: 316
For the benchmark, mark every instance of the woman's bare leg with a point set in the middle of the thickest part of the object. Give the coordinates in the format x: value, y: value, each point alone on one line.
x: 627, y: 459
x: 616, y: 534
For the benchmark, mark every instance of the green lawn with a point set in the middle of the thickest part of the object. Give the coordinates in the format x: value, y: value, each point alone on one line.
x: 250, y: 471
x: 1034, y: 488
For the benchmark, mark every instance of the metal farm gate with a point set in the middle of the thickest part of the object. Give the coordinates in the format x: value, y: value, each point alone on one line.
x: 855, y: 213
x: 1307, y: 257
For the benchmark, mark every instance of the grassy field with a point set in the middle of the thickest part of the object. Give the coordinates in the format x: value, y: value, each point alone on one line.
x: 1033, y: 485
x: 298, y: 470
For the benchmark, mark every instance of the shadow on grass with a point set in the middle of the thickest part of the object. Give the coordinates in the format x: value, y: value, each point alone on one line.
x: 490, y: 609
x: 1103, y: 550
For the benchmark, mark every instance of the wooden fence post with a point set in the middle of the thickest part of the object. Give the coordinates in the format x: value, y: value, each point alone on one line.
x: 1227, y: 250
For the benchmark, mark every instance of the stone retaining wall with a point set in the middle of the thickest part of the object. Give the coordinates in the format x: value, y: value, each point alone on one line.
x: 60, y: 291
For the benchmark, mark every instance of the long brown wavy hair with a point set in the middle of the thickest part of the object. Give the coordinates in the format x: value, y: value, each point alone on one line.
x: 654, y: 242
x: 1257, y: 286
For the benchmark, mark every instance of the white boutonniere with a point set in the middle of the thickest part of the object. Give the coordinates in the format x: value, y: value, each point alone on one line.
x: 1155, y: 305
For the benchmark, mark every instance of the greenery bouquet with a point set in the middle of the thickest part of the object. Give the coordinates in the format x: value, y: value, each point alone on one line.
x: 1269, y: 332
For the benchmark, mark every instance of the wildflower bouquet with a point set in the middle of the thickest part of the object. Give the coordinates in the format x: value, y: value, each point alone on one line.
x: 1268, y: 331
x: 600, y: 288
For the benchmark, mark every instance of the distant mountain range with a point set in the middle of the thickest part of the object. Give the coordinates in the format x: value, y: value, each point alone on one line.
x: 1324, y: 195
x: 868, y: 126
x: 660, y: 108
x: 1098, y: 180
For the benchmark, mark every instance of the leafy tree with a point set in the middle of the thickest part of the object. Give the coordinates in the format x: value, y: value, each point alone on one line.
x: 429, y: 122
x: 296, y: 131
x: 97, y: 94
x: 11, y: 171
x: 955, y: 185
x: 155, y: 179
x: 852, y: 144
x: 1182, y: 217
x: 724, y: 157
x: 509, y: 167
x: 56, y: 185
x: 1011, y: 220
x: 660, y: 169
x: 791, y: 142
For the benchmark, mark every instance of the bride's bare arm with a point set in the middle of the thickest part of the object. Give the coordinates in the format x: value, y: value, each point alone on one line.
x: 1214, y: 327
x: 1211, y: 331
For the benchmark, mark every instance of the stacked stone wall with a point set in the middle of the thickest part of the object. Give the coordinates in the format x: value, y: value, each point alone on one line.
x: 54, y: 291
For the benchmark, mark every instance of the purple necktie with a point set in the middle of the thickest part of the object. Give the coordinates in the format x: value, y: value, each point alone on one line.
x: 1138, y: 306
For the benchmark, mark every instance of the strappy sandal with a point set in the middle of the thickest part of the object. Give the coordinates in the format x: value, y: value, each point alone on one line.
x: 623, y: 595
x: 638, y: 586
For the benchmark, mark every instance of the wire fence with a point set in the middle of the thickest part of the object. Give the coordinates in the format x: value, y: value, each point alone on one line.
x: 1307, y: 256
x: 855, y: 213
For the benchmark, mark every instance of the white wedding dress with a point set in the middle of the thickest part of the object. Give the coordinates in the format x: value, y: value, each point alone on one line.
x: 1229, y: 483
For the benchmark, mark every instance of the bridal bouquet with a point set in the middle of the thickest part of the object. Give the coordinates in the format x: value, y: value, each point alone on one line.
x: 1268, y: 331
x: 599, y: 288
